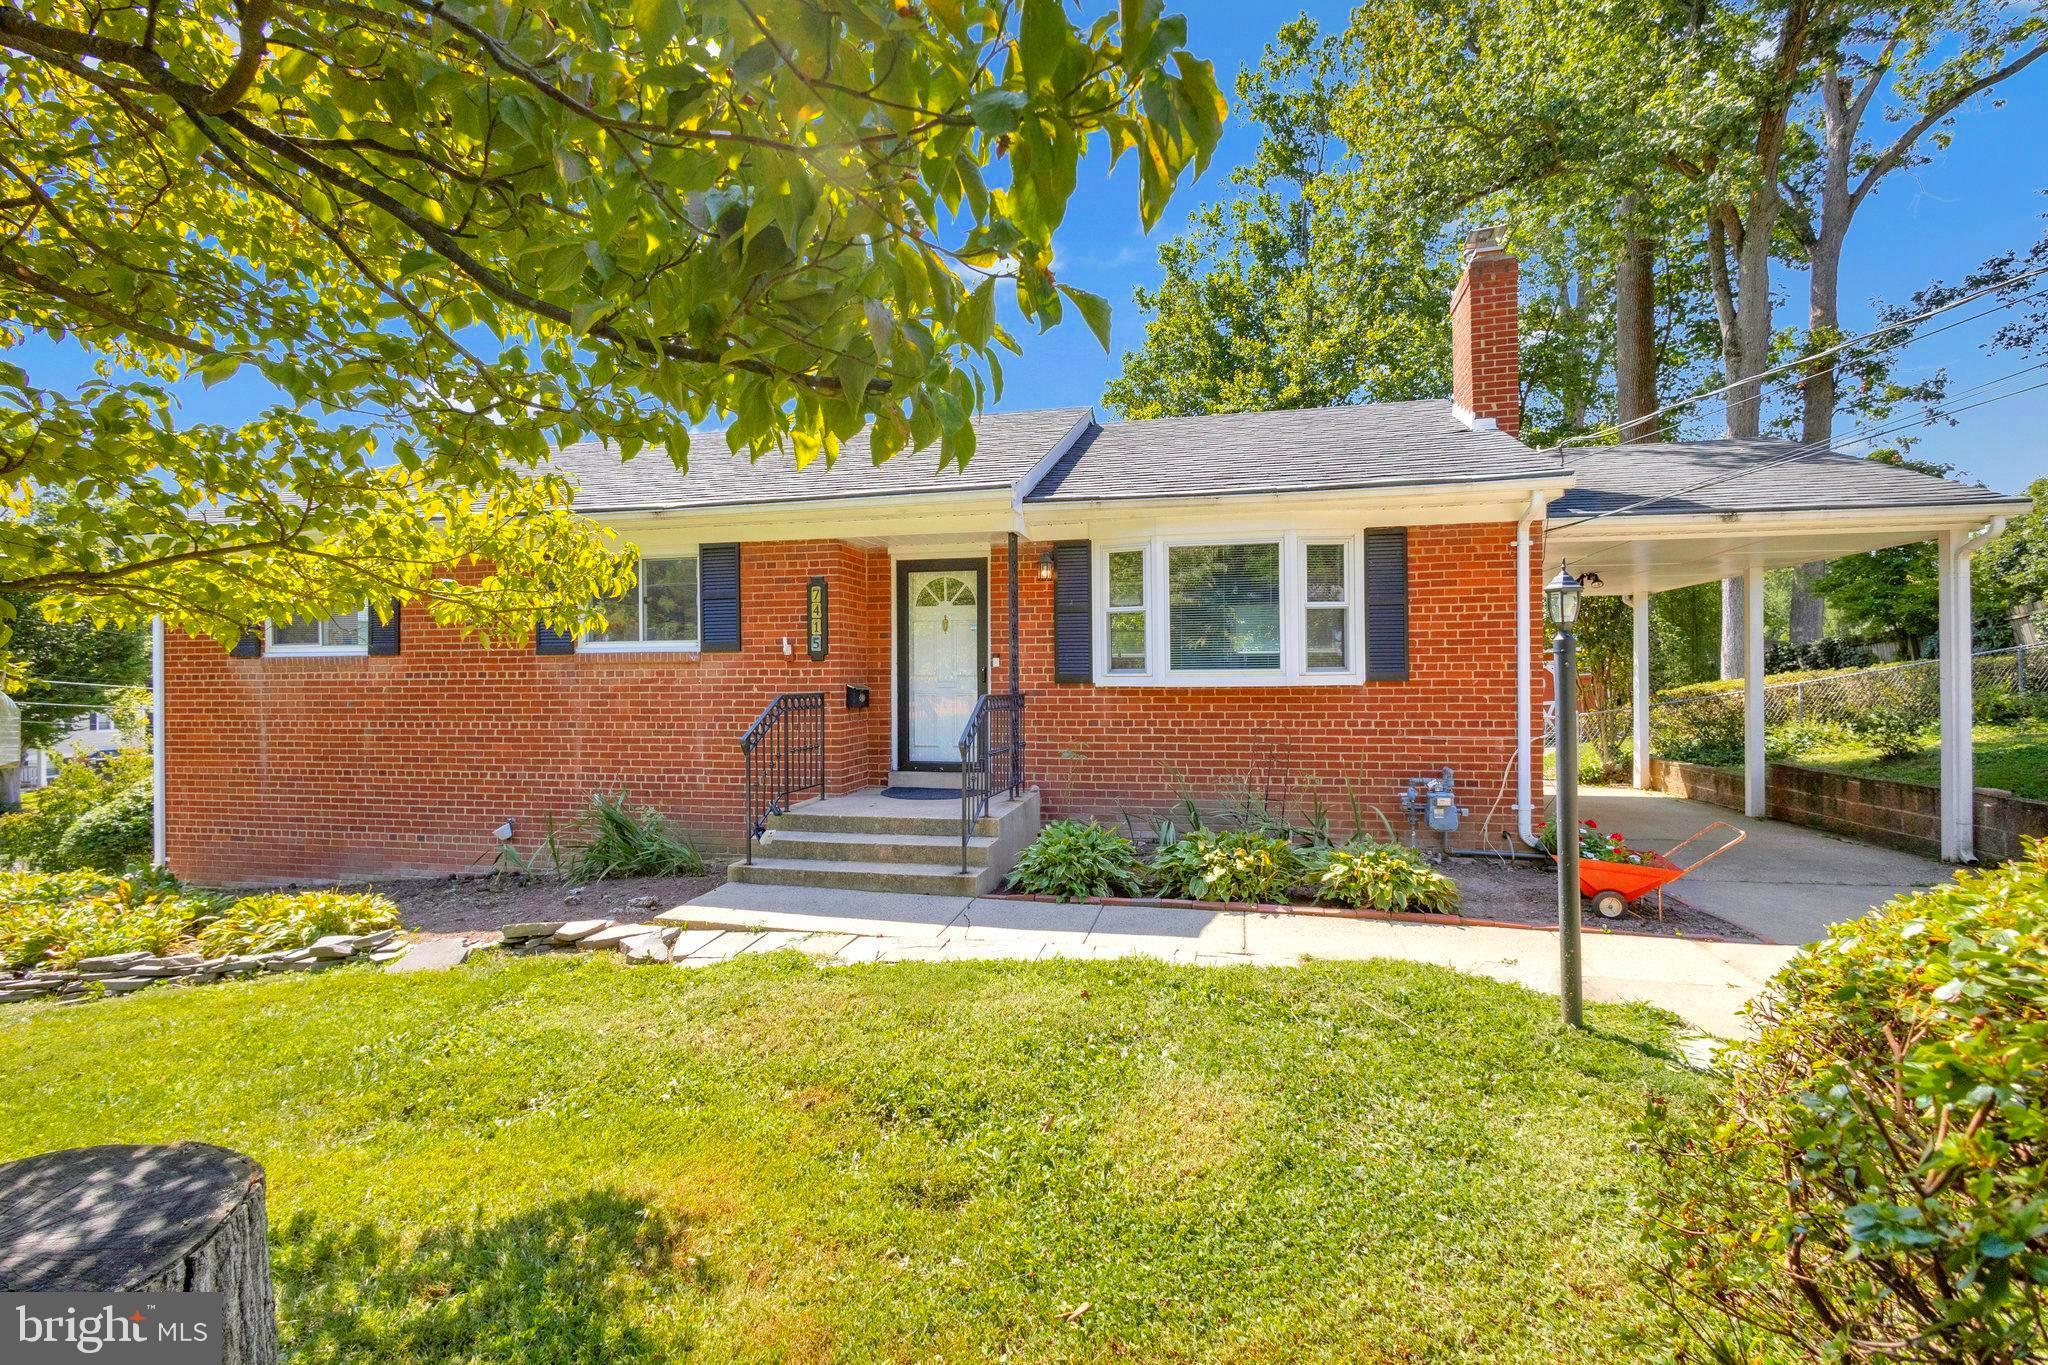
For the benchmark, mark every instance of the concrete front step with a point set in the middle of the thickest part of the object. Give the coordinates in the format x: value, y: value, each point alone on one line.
x: 931, y: 826
x: 847, y: 846
x: 922, y: 879
x: 950, y: 781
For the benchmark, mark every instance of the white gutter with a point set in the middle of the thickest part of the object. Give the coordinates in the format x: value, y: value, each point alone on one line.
x: 156, y: 740
x: 1525, y: 807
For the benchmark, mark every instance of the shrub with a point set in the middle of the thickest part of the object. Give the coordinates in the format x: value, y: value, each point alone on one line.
x: 1075, y: 859
x: 31, y: 836
x: 1705, y: 731
x: 1238, y: 865
x: 624, y: 842
x: 2002, y: 705
x: 1893, y: 731
x: 1798, y: 737
x: 1382, y: 877
x: 1594, y: 843
x: 52, y: 919
x: 1873, y: 1181
x: 274, y: 921
x: 113, y: 835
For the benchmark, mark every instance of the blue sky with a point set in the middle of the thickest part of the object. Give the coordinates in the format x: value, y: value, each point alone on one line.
x: 1981, y: 196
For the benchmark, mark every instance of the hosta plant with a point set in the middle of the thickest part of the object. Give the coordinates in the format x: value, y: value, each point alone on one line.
x: 1076, y: 859
x: 1372, y: 876
x: 1238, y: 865
x: 275, y: 921
x: 52, y: 919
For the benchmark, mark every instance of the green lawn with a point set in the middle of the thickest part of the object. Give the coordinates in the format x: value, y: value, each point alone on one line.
x: 2014, y: 757
x: 570, y: 1159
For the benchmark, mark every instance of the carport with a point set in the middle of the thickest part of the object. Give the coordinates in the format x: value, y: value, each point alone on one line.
x: 1651, y: 517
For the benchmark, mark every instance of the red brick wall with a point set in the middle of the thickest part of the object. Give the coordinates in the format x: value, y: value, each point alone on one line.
x: 309, y: 768
x: 1486, y: 371
x: 1105, y: 751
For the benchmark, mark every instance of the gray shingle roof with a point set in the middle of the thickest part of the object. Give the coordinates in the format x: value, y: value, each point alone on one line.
x: 1007, y: 446
x: 1728, y: 475
x: 1377, y: 445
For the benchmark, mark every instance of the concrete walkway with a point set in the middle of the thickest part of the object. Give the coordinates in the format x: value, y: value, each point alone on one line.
x: 1705, y: 983
x: 1784, y: 882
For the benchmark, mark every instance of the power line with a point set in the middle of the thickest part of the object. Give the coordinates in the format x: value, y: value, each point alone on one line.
x: 1805, y: 360
x: 73, y: 682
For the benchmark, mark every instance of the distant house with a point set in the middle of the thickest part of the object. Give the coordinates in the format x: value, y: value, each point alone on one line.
x: 87, y: 736
x: 1333, y: 600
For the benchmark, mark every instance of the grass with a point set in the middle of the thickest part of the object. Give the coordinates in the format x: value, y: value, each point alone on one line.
x: 570, y: 1159
x: 2011, y: 757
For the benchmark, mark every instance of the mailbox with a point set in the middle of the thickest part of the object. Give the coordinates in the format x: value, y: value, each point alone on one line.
x: 856, y: 698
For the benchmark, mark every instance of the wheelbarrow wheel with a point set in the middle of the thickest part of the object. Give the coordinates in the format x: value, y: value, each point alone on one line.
x: 1610, y: 904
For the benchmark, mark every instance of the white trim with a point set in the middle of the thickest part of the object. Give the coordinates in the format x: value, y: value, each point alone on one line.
x: 1036, y: 474
x: 1923, y: 520
x: 640, y: 646
x: 1293, y: 670
x: 1639, y: 691
x: 1525, y: 730
x: 1755, y: 767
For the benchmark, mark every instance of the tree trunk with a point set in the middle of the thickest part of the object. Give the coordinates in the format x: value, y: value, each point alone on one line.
x: 1635, y: 330
x: 124, y: 1219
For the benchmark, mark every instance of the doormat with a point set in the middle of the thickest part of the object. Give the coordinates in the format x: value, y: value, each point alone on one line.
x: 923, y: 793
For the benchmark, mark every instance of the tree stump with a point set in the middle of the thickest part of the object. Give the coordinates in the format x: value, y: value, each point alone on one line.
x: 138, y: 1219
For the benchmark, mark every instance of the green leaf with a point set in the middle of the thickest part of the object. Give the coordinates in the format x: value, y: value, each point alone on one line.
x: 1094, y: 311
x: 996, y: 112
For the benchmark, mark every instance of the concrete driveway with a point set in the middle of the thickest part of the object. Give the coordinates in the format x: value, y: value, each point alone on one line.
x: 1784, y: 883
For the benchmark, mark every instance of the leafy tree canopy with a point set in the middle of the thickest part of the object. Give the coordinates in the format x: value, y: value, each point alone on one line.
x: 453, y: 232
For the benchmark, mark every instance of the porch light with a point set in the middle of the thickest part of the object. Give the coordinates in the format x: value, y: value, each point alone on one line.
x: 1561, y: 598
x: 1045, y: 566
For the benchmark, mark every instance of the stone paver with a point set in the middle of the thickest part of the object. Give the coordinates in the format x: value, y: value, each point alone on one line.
x: 431, y: 955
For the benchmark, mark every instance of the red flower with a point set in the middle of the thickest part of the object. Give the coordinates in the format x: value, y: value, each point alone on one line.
x: 1591, y: 825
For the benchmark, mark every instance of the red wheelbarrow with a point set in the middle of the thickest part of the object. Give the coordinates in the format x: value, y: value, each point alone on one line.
x: 1613, y: 887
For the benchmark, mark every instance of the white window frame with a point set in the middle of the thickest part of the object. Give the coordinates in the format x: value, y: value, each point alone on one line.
x: 1351, y: 559
x: 323, y: 649
x: 1293, y: 670
x: 643, y: 646
x: 1144, y: 609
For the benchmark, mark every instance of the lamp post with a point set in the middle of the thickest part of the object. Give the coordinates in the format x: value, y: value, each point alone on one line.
x: 1561, y: 605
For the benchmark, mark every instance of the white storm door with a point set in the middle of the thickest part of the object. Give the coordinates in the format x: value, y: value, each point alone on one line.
x: 944, y: 633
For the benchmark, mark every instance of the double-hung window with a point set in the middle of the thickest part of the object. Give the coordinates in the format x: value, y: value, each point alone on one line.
x: 659, y: 610
x: 348, y: 633
x: 1235, y: 609
x: 1125, y: 609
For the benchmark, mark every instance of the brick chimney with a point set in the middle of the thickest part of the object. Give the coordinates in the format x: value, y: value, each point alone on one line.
x: 1486, y: 367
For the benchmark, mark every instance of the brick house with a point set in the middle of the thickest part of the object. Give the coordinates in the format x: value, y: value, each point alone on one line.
x: 1313, y: 605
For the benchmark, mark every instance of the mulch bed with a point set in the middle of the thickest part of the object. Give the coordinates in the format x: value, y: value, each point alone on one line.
x: 443, y: 905
x: 1501, y: 893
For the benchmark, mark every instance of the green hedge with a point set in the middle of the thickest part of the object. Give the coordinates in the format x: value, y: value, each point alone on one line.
x: 1876, y: 1170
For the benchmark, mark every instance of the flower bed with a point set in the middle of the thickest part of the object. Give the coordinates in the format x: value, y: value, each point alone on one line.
x: 79, y: 933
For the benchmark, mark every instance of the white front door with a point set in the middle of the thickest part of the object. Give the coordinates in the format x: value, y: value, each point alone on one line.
x: 943, y: 676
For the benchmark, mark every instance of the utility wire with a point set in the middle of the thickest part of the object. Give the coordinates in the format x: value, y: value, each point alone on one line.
x: 1800, y: 452
x: 72, y: 682
x: 1805, y: 360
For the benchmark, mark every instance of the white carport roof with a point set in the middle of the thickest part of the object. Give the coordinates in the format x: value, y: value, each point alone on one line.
x: 1657, y: 516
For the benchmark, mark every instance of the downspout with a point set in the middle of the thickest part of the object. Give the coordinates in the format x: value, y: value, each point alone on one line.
x: 156, y: 741
x: 1525, y: 807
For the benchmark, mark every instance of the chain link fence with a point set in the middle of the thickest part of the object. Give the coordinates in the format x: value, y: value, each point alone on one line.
x: 1911, y: 691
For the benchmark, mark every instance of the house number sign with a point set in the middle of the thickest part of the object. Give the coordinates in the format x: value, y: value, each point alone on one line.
x: 818, y: 619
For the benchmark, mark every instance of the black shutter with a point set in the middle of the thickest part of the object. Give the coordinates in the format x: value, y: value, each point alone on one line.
x: 249, y: 646
x: 718, y: 590
x: 547, y: 640
x: 1386, y: 605
x: 384, y: 630
x: 1073, y: 629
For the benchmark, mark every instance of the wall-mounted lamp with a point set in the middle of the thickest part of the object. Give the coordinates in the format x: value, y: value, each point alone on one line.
x: 1045, y: 566
x: 787, y: 648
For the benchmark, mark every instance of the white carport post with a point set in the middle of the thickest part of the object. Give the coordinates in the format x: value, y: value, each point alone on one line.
x: 1958, y: 756
x: 1639, y: 692
x: 1753, y: 760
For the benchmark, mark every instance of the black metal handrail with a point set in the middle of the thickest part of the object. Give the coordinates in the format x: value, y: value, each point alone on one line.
x: 785, y: 753
x: 991, y: 758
